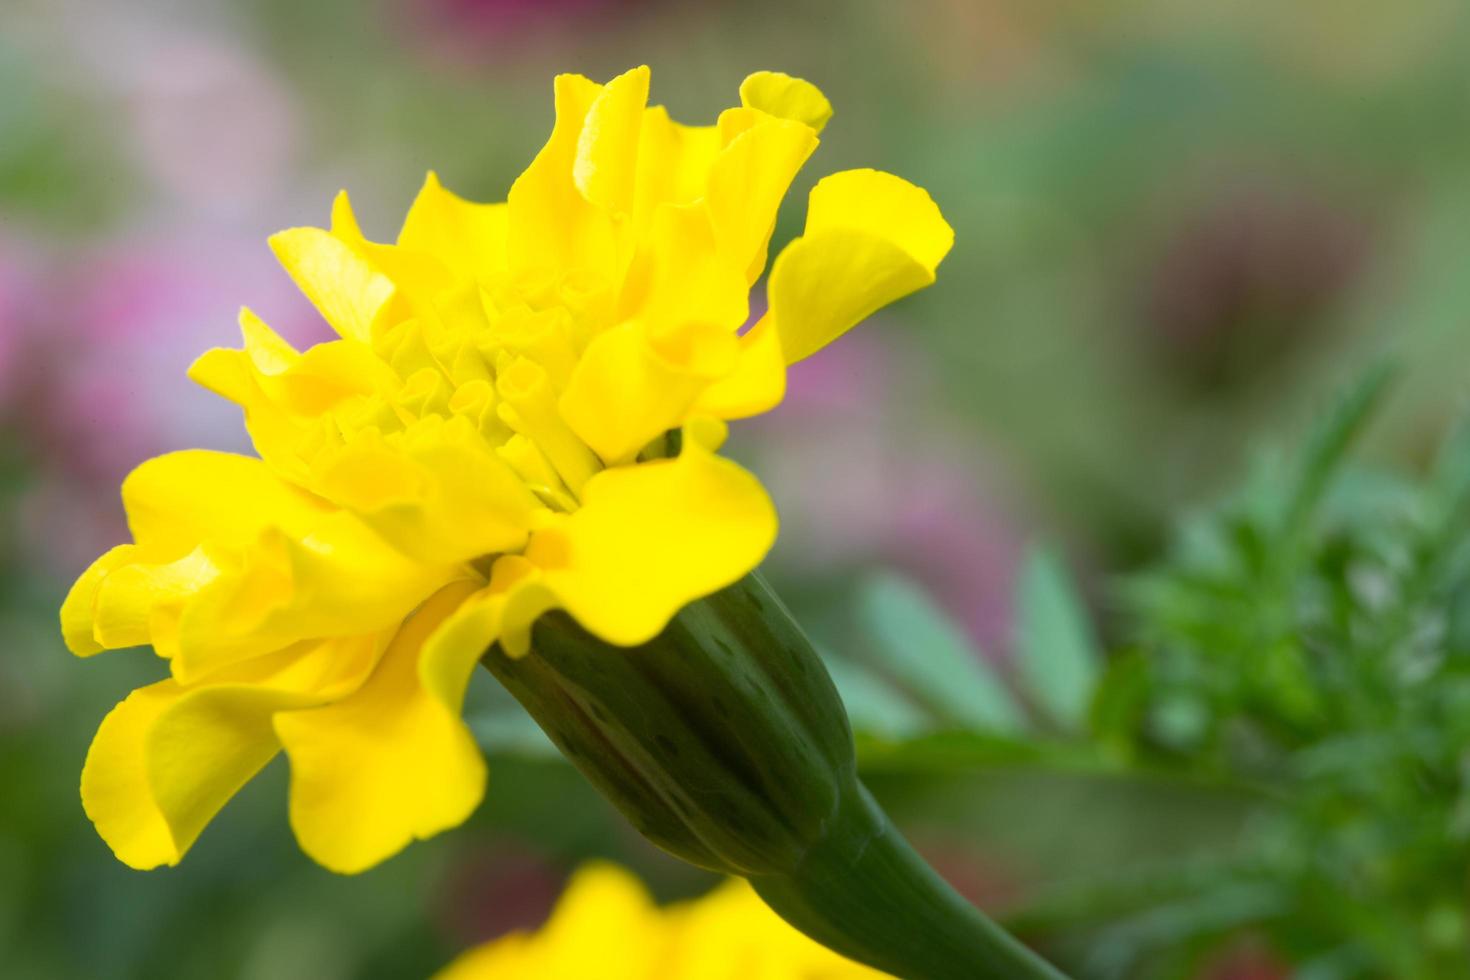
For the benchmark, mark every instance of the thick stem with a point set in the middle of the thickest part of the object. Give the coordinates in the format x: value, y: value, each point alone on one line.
x: 863, y: 891
x: 724, y: 741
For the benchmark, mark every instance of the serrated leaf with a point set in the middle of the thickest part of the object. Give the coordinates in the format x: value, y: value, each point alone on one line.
x: 921, y: 648
x: 1057, y: 655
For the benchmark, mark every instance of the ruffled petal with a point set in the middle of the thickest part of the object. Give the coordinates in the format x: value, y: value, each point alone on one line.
x: 391, y: 763
x: 871, y: 238
x: 467, y: 237
x: 747, y: 184
x: 234, y: 562
x: 786, y: 97
x: 138, y: 602
x: 606, y: 164
x: 341, y: 579
x: 756, y: 384
x: 629, y: 388
x: 79, y: 610
x: 168, y: 758
x: 551, y: 226
x: 288, y: 398
x: 177, y: 500
x: 674, y: 161
x: 436, y: 491
x: 684, y: 276
x: 348, y: 291
x: 651, y: 538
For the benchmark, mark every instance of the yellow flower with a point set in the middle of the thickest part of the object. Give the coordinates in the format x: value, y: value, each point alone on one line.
x: 606, y: 926
x: 522, y: 413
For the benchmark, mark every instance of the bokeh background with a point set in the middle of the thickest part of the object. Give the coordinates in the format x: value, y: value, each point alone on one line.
x: 1178, y: 227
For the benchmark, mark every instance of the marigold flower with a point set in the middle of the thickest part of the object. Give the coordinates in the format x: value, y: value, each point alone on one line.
x: 522, y: 413
x: 605, y: 925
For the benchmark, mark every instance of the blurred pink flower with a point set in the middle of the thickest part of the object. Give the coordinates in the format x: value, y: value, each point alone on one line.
x: 17, y: 300
x: 204, y: 118
x: 860, y: 478
x: 469, y: 33
x: 495, y: 16
x: 106, y: 357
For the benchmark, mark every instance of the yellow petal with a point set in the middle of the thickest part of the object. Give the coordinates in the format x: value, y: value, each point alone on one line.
x: 512, y: 957
x: 730, y: 933
x: 514, y: 597
x: 756, y: 384
x: 177, y: 500
x: 650, y: 538
x: 389, y: 764
x: 340, y: 580
x: 886, y: 206
x: 674, y: 161
x: 133, y: 601
x: 436, y: 491
x: 605, y: 925
x: 684, y: 275
x: 551, y: 226
x: 606, y: 164
x: 528, y: 405
x: 166, y: 760
x: 629, y: 388
x: 467, y: 237
x: 348, y: 291
x: 786, y: 97
x: 747, y: 183
x: 78, y: 611
x: 871, y: 238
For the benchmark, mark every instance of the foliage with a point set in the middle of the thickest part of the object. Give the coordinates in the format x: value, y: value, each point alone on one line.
x: 1305, y: 643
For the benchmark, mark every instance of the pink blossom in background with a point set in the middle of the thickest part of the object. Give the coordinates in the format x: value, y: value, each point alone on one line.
x: 106, y: 359
x: 17, y: 300
x: 470, y: 33
x: 862, y: 478
x: 495, y: 16
x: 202, y: 117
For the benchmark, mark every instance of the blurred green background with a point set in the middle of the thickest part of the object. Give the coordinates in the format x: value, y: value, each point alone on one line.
x: 1179, y: 227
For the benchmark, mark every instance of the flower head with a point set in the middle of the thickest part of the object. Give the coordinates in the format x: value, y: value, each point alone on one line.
x: 522, y: 413
x: 605, y: 925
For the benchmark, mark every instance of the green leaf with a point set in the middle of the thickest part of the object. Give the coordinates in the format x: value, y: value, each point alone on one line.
x: 922, y: 649
x: 873, y: 706
x: 1057, y: 656
x: 1329, y: 442
x: 511, y: 732
x: 500, y: 725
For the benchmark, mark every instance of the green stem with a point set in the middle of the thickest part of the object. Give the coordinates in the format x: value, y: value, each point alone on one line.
x: 863, y: 891
x: 724, y: 742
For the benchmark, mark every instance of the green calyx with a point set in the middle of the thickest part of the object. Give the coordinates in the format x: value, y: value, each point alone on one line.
x: 724, y: 742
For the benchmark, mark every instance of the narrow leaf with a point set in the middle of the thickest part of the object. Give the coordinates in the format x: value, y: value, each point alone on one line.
x: 1329, y: 442
x: 873, y: 706
x: 921, y: 648
x: 1057, y: 655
